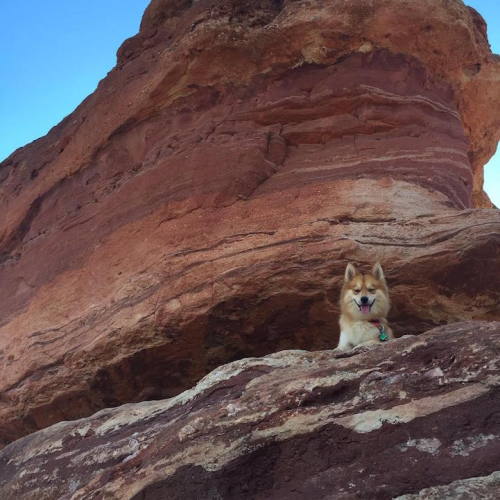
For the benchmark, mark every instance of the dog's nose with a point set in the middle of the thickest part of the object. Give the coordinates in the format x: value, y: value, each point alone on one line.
x: 364, y: 300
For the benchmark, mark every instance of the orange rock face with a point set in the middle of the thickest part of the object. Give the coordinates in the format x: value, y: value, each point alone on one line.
x: 201, y: 205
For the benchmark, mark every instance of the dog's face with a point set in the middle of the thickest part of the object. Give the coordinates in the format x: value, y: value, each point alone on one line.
x: 365, y: 296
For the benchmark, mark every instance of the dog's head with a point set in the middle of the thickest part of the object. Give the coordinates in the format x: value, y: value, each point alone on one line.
x: 365, y: 296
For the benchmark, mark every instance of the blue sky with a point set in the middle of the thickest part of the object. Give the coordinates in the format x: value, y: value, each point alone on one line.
x: 54, y: 52
x: 52, y: 55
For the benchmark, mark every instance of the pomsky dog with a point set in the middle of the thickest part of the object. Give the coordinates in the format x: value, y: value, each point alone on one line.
x: 364, y: 305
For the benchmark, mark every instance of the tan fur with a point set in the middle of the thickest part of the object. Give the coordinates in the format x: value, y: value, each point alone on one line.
x: 355, y: 327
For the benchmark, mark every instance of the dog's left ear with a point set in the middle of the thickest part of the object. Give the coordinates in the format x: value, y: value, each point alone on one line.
x: 378, y: 272
x: 350, y: 272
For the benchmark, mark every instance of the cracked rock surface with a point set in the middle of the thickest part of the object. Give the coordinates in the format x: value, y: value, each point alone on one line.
x: 417, y: 417
x: 201, y: 205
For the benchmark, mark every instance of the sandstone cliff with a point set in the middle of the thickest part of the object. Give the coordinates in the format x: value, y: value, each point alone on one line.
x: 201, y: 205
x: 416, y: 417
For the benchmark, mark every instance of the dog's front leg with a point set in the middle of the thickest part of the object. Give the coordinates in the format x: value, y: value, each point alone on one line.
x: 344, y: 344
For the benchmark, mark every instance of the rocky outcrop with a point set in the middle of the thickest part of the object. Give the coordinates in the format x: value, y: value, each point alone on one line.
x: 484, y: 488
x: 201, y: 205
x: 416, y: 417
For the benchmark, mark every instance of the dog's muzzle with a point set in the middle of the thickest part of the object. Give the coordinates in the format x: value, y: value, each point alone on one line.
x: 366, y: 305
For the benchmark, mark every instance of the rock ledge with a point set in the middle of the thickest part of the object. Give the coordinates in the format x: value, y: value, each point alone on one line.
x: 417, y: 413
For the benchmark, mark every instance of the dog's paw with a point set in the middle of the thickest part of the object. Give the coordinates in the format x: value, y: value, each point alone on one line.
x: 359, y: 349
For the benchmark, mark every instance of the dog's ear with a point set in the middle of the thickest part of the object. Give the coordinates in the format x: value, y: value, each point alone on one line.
x: 350, y: 272
x: 378, y: 272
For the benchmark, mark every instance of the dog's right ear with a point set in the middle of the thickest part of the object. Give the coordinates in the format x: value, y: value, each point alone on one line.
x: 350, y: 272
x: 378, y: 272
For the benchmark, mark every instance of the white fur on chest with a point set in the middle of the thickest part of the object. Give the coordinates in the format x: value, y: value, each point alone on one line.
x: 357, y: 332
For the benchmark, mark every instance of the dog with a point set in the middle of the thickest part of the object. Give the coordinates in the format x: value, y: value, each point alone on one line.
x: 364, y: 306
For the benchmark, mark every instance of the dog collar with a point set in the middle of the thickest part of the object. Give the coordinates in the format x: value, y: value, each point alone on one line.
x: 382, y: 334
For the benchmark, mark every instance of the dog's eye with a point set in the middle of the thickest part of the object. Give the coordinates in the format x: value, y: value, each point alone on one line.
x: 357, y: 290
x: 371, y: 290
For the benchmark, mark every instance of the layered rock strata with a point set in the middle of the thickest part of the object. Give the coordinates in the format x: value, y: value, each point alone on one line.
x: 413, y: 418
x: 201, y: 205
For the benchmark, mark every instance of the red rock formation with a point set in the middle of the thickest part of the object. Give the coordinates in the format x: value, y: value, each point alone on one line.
x: 419, y: 413
x: 201, y: 205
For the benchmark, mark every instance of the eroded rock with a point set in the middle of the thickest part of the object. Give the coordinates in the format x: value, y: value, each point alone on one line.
x: 201, y: 205
x: 417, y: 416
x: 475, y: 488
